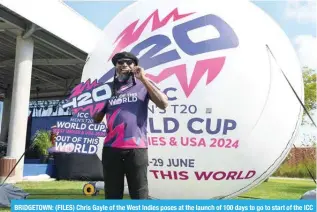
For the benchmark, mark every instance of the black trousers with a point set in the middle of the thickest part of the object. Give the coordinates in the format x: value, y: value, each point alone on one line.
x: 132, y: 163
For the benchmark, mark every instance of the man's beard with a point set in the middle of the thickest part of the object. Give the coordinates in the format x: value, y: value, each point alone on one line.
x: 123, y: 77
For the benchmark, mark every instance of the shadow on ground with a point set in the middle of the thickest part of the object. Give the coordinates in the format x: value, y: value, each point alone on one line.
x: 62, y: 194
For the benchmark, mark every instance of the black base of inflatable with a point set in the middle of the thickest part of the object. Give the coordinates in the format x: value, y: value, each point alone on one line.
x: 81, y: 167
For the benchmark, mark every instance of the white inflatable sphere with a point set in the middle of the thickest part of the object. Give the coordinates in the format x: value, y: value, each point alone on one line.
x: 231, y: 113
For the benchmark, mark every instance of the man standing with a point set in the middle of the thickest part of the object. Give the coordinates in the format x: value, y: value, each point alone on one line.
x: 125, y: 147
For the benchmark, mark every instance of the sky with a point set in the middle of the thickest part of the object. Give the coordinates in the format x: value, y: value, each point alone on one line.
x: 296, y: 18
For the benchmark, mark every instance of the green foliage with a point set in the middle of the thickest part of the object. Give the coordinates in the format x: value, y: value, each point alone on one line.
x: 42, y: 141
x: 297, y: 171
x: 309, y: 140
x: 309, y: 77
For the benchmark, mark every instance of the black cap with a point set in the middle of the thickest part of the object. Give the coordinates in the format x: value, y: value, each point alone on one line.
x: 124, y: 55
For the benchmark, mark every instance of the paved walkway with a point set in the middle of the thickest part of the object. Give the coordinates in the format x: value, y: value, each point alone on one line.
x: 289, y: 178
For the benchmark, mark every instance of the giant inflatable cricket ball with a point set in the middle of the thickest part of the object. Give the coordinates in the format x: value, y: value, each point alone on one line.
x: 232, y: 117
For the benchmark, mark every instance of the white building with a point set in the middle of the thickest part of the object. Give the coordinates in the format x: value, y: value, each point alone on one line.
x: 44, y: 45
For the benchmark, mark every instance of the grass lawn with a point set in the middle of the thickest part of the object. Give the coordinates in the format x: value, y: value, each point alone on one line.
x: 273, y: 189
x: 281, y: 189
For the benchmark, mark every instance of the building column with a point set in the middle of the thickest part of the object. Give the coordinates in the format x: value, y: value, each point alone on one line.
x: 6, y: 115
x: 20, y: 103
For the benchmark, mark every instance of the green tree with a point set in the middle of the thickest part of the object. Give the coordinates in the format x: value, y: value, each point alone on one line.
x: 309, y: 140
x: 309, y: 77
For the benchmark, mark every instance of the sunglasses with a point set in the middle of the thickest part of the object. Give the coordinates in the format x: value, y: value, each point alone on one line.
x: 121, y: 62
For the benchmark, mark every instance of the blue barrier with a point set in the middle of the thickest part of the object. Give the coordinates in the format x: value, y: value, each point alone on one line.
x: 38, y: 169
x: 34, y: 167
x: 32, y: 161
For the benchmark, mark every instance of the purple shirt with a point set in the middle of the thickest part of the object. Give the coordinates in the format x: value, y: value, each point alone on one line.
x: 126, y: 117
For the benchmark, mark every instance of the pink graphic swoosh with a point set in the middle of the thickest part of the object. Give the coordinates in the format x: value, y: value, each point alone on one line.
x: 212, y: 66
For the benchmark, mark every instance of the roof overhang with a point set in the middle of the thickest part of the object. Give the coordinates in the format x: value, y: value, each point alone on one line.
x: 62, y: 41
x: 55, y: 17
